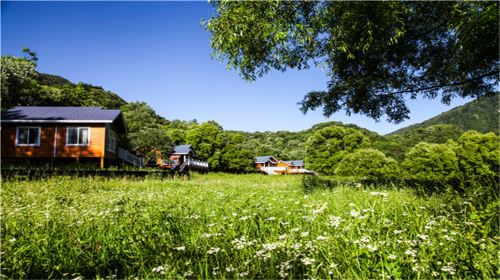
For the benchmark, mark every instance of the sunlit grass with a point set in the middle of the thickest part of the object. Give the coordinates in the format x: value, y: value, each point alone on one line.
x: 238, y: 226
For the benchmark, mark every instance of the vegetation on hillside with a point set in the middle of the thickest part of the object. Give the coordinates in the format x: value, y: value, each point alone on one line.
x: 481, y: 114
x: 22, y: 85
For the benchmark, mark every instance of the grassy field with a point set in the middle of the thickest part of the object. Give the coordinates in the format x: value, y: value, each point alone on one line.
x: 239, y: 226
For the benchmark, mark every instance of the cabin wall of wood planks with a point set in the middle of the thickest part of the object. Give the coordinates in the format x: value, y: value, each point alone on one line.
x: 53, y: 142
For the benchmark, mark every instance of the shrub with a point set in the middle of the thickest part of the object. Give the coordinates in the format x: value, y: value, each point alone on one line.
x: 478, y: 156
x: 433, y: 165
x: 368, y: 164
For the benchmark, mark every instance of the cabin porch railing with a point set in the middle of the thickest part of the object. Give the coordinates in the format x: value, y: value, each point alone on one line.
x: 130, y: 158
x: 197, y: 163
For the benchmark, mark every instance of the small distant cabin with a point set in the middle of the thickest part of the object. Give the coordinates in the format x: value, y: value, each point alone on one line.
x: 292, y: 164
x: 35, y: 134
x: 184, y: 158
x: 271, y: 166
x: 265, y: 161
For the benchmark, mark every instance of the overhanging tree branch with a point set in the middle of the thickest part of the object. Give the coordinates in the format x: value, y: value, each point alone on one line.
x: 496, y: 72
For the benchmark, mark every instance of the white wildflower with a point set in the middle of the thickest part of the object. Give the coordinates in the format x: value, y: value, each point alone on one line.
x: 334, y: 221
x: 160, y: 269
x: 450, y: 268
x: 243, y: 274
x: 270, y: 246
x: 320, y: 209
x: 180, y: 248
x: 448, y: 238
x: 262, y: 254
x: 388, y: 223
x: 213, y: 250
x: 382, y: 194
x: 354, y: 213
x: 422, y: 236
x: 194, y: 217
x: 411, y: 252
x: 371, y: 248
x: 321, y: 237
x: 392, y: 257
x: 308, y: 261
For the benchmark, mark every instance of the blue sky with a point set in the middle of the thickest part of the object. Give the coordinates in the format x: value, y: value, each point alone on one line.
x: 159, y: 53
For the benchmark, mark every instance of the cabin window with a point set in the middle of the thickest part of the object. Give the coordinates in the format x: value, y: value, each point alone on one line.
x: 28, y: 136
x: 78, y: 136
x: 112, y: 143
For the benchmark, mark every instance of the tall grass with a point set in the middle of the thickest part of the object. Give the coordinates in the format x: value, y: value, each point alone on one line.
x: 238, y: 226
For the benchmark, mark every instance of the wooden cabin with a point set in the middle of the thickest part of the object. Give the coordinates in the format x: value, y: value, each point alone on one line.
x: 67, y: 134
x: 265, y: 161
x: 292, y: 164
x: 184, y: 158
x: 272, y: 166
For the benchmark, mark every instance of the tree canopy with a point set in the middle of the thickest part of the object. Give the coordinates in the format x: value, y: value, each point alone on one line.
x: 328, y: 146
x: 368, y: 164
x: 376, y: 54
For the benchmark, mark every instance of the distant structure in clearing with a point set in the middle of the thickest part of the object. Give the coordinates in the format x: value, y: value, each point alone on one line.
x: 184, y: 158
x: 271, y: 166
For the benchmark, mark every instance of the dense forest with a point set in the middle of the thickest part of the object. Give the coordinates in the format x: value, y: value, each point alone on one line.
x: 328, y: 148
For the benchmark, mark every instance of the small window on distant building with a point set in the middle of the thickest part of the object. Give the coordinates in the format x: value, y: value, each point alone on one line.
x: 77, y: 136
x: 28, y: 136
x: 112, y: 143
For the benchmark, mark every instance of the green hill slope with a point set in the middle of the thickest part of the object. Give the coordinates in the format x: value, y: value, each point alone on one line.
x: 481, y: 114
x: 58, y: 91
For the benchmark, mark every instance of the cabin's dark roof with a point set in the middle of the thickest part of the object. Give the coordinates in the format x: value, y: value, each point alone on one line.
x: 263, y: 159
x: 183, y: 149
x: 295, y: 162
x: 60, y: 114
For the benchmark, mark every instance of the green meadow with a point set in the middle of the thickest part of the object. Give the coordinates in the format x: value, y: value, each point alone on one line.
x: 240, y: 226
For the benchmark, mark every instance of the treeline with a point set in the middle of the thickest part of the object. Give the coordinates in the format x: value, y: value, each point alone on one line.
x: 331, y: 148
x: 469, y: 163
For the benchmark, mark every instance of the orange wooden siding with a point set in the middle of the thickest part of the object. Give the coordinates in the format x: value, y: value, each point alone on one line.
x: 283, y: 164
x: 96, y: 147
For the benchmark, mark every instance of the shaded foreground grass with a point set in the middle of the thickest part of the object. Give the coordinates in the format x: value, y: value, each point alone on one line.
x: 238, y: 226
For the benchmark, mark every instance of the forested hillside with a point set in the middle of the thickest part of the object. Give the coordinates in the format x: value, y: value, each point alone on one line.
x: 23, y: 85
x: 481, y: 114
x: 154, y: 136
